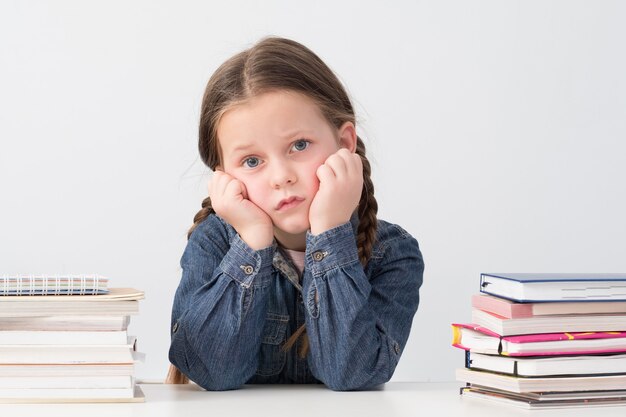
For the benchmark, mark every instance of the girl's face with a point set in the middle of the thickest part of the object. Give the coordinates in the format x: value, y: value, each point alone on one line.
x: 274, y: 143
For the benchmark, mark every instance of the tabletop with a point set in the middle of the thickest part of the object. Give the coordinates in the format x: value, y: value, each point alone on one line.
x: 392, y: 399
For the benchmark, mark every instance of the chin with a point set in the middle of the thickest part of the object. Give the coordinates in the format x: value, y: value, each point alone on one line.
x: 294, y: 228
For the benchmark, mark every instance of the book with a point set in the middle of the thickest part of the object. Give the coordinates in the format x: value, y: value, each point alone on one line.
x: 541, y: 384
x: 7, y: 384
x: 67, y: 323
x: 481, y: 340
x: 514, y: 310
x: 51, y: 337
x: 549, y: 324
x: 59, y: 370
x: 68, y: 354
x: 97, y: 395
x: 118, y: 301
x: 534, y: 287
x: 547, y: 366
x: 16, y: 285
x: 548, y: 400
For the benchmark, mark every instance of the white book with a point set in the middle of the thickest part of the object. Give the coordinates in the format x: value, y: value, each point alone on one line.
x: 17, y: 285
x: 65, y: 394
x: 67, y: 354
x: 67, y: 323
x: 34, y: 337
x: 548, y: 366
x: 57, y: 370
x: 83, y: 382
x: 541, y: 384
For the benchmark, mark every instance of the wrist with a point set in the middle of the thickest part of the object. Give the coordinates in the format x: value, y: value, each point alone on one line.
x: 257, y: 240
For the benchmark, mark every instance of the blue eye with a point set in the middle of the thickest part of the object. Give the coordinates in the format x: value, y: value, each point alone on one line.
x: 251, y: 162
x: 301, y: 145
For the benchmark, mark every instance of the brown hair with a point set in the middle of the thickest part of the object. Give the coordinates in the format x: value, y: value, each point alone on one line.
x: 280, y: 64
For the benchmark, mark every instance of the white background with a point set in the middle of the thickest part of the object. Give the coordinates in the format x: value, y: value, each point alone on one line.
x: 496, y: 132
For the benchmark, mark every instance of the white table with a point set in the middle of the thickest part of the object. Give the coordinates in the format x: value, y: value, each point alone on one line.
x: 393, y: 399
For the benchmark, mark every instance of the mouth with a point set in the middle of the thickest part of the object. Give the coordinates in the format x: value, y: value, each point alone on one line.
x: 287, y: 203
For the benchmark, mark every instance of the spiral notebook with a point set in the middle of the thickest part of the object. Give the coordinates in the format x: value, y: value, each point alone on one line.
x: 16, y: 285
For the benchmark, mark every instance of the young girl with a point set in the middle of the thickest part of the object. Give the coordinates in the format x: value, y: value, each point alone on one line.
x: 288, y: 276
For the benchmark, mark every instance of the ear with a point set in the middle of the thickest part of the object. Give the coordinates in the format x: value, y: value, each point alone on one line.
x: 347, y: 136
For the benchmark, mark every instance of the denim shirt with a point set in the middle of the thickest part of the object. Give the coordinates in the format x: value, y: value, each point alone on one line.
x: 235, y: 307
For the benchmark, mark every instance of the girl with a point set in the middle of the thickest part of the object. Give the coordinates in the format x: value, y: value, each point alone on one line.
x: 288, y: 276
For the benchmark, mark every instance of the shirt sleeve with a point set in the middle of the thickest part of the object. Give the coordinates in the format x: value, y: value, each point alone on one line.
x: 219, y: 308
x: 358, y: 323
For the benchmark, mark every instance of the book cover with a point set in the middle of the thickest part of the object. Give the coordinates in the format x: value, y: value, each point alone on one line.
x: 481, y: 340
x: 549, y: 324
x: 540, y: 287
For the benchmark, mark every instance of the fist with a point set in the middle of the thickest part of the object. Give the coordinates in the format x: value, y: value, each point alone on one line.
x: 229, y: 199
x: 341, y: 184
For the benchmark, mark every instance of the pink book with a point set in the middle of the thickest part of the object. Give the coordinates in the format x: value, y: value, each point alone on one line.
x: 480, y: 340
x: 512, y: 310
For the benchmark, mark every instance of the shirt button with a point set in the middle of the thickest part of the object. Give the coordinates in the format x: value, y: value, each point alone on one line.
x: 318, y: 256
x: 300, y: 298
x: 247, y: 269
x: 175, y: 327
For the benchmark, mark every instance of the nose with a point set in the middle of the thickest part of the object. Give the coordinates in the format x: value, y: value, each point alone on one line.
x: 282, y: 174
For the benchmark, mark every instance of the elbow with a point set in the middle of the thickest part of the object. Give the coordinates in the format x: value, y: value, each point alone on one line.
x: 212, y: 378
x: 347, y: 378
x: 355, y: 383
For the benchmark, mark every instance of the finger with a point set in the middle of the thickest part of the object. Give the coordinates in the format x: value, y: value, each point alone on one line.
x: 325, y: 174
x: 337, y: 163
x: 233, y: 189
x: 355, y: 164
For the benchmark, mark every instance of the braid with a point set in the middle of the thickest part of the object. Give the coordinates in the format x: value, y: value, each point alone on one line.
x: 205, y: 211
x: 367, y: 210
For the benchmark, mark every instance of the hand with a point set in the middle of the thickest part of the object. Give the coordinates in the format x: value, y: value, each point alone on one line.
x: 341, y: 183
x: 229, y: 199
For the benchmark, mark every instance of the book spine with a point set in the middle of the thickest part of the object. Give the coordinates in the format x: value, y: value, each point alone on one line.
x: 52, y: 285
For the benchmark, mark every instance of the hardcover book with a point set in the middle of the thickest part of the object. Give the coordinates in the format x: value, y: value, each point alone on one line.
x: 481, y: 340
x: 514, y: 310
x: 549, y: 324
x: 541, y: 384
x: 547, y: 366
x: 535, y: 287
x: 546, y: 400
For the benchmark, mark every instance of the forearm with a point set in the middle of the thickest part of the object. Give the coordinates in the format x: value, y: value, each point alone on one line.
x: 357, y: 330
x: 216, y: 330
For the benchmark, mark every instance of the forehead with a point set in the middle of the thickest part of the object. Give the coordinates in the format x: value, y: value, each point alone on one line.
x: 269, y: 116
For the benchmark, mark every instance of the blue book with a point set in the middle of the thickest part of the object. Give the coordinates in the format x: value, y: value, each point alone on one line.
x: 545, y: 287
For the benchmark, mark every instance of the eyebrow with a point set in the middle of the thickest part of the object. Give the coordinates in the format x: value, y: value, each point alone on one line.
x: 241, y: 148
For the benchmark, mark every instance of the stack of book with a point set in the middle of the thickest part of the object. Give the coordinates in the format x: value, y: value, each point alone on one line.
x: 64, y: 339
x: 546, y: 340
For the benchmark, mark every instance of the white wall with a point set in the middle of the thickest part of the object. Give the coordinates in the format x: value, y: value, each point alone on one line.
x: 496, y: 131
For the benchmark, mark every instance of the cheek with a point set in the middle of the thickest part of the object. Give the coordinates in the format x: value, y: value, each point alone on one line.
x: 254, y: 190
